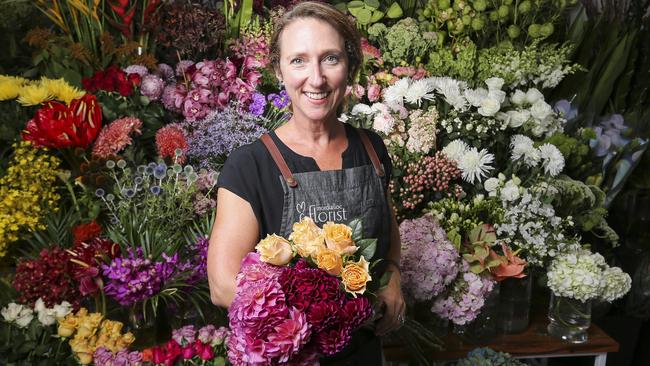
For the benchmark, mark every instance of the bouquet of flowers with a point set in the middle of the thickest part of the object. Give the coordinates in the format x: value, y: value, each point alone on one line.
x: 303, y: 297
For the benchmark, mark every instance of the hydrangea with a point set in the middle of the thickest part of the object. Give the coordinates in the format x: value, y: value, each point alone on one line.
x: 577, y: 275
x: 617, y: 284
x: 430, y: 261
x: 466, y: 298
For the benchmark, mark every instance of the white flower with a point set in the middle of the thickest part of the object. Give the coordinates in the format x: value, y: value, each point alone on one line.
x: 396, y: 92
x: 489, y: 107
x: 25, y: 317
x: 455, y: 150
x: 533, y: 95
x: 552, y: 159
x: 475, y: 96
x: 361, y: 108
x: 343, y: 117
x: 457, y: 101
x: 491, y: 185
x: 47, y: 317
x: 499, y: 95
x: 62, y: 309
x: 522, y: 146
x: 39, y: 305
x: 384, y: 123
x: 510, y: 191
x: 494, y: 83
x: 540, y: 110
x: 616, y: 284
x: 475, y: 164
x: 418, y: 90
x: 518, y: 117
x: 11, y: 311
x: 518, y: 97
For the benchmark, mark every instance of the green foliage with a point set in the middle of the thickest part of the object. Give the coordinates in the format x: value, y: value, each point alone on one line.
x: 33, y: 345
x: 458, y: 218
x: 488, y: 357
x: 403, y: 43
x: 577, y: 155
x: 457, y: 62
x: 477, y: 248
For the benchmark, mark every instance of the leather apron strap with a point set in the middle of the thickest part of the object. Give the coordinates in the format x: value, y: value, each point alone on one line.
x: 279, y: 160
x: 379, y: 169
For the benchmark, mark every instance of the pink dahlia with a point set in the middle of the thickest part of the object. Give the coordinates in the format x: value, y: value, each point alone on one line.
x: 116, y: 136
x: 170, y: 138
x: 357, y: 311
x: 305, y: 286
x: 289, y: 337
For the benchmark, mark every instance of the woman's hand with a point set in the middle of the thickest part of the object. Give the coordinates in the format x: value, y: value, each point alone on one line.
x: 394, y: 306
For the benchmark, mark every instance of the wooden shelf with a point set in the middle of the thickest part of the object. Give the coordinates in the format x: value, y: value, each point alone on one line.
x: 535, y: 341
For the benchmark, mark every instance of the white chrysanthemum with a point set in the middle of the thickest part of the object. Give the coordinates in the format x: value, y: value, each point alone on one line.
x: 455, y: 150
x: 522, y: 147
x: 475, y: 96
x: 475, y: 164
x: 361, y: 108
x: 396, y: 92
x: 616, y: 284
x: 552, y: 159
x: 418, y: 90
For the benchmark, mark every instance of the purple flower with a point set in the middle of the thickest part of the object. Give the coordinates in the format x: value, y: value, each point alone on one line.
x: 258, y: 104
x: 184, y: 335
x: 182, y: 66
x: 429, y: 259
x: 280, y: 100
x: 152, y: 86
x: 166, y: 72
x: 199, y: 264
x: 137, y: 69
x: 104, y: 357
x: 564, y: 108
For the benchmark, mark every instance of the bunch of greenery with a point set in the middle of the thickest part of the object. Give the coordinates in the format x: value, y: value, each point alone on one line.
x: 402, y: 44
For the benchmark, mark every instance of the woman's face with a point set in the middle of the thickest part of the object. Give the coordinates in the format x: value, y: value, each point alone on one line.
x: 313, y: 67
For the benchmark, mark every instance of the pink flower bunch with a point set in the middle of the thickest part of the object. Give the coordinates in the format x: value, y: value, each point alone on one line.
x: 189, y: 344
x: 254, y: 44
x: 211, y: 85
x: 371, y: 52
x: 430, y: 261
x: 116, y: 136
x: 409, y: 71
x: 290, y: 315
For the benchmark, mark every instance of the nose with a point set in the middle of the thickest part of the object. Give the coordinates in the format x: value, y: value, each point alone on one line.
x: 317, y: 79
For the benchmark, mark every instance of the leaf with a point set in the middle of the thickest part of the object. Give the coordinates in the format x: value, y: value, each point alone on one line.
x: 372, y: 4
x: 220, y: 361
x: 376, y: 16
x: 355, y: 5
x: 370, y: 249
x: 476, y: 268
x: 357, y: 230
x: 363, y: 16
x: 395, y: 11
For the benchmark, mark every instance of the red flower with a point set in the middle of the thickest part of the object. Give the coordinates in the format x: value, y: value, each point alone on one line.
x: 147, y: 355
x: 86, y: 258
x: 86, y: 232
x: 356, y: 311
x: 188, y: 352
x: 204, y: 351
x: 170, y: 138
x: 135, y: 79
x: 58, y: 126
x: 172, y: 352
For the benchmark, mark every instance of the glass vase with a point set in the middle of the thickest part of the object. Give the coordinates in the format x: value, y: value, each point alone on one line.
x: 569, y: 319
x: 514, y: 304
x: 484, y: 328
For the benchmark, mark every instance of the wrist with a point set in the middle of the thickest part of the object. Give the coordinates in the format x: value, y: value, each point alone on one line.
x: 393, y: 266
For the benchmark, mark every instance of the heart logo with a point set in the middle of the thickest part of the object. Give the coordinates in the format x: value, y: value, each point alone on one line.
x: 301, y: 207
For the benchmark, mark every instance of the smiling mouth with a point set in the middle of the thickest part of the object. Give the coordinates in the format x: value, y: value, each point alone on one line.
x: 317, y: 96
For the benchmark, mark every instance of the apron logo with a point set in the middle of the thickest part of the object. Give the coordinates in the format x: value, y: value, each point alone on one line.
x: 322, y: 214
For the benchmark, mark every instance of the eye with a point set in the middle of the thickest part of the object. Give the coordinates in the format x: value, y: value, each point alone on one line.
x: 332, y: 59
x: 296, y: 61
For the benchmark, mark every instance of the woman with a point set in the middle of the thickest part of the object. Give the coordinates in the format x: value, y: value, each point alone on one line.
x: 313, y: 166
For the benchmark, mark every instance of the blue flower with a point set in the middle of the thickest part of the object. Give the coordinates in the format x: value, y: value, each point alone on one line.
x: 155, y: 190
x: 99, y: 192
x: 160, y: 171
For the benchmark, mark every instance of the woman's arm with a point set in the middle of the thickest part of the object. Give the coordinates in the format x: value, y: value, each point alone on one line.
x: 392, y: 295
x: 234, y: 234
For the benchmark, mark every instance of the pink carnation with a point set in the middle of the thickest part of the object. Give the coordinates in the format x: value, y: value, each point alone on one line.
x: 371, y: 51
x: 114, y: 137
x: 170, y: 138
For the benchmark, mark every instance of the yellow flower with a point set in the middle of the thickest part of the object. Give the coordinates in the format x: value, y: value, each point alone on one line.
x: 355, y: 276
x: 329, y: 261
x: 61, y: 90
x: 67, y: 326
x: 307, y: 237
x: 10, y: 87
x: 338, y: 237
x: 275, y: 249
x: 34, y: 94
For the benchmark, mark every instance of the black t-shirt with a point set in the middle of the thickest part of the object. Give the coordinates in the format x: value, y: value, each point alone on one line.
x: 251, y: 173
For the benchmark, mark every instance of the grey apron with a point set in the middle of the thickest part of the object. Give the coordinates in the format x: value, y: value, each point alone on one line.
x: 341, y: 196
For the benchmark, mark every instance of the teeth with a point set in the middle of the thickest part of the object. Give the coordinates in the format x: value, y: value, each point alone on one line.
x: 317, y: 95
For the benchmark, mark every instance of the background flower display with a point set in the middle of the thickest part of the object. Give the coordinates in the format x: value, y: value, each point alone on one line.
x: 516, y: 130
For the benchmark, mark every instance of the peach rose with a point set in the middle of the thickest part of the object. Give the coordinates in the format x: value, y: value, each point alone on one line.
x: 338, y: 237
x: 329, y: 261
x: 355, y: 276
x: 307, y: 237
x: 275, y: 250
x: 67, y: 326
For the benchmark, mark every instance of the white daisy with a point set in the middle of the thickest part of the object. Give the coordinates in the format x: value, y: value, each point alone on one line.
x: 475, y: 164
x: 552, y: 159
x: 396, y: 92
x: 455, y: 150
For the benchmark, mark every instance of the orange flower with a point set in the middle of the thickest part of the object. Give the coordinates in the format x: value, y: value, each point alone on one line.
x: 355, y: 276
x: 511, y: 266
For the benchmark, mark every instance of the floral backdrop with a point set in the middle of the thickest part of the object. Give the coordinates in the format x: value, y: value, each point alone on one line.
x: 517, y: 130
